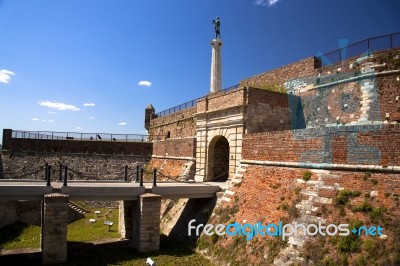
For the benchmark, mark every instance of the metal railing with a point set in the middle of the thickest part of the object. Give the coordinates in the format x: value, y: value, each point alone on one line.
x: 366, y: 47
x: 20, y: 134
x: 188, y: 104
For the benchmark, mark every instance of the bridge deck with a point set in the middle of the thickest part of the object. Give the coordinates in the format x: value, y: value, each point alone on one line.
x: 95, y: 190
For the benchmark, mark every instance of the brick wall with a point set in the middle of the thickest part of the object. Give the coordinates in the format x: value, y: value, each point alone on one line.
x: 357, y: 145
x: 280, y: 75
x: 221, y: 100
x: 177, y: 125
x: 175, y: 147
x: 269, y: 111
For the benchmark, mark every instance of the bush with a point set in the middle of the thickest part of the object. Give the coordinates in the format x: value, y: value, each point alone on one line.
x: 307, y: 175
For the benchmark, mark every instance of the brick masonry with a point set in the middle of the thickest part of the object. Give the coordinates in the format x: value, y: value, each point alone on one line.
x: 356, y: 145
x: 185, y: 147
x: 54, y: 228
x: 146, y: 223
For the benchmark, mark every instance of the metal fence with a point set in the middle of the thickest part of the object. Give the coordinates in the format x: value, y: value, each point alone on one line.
x: 188, y: 104
x: 19, y: 134
x: 366, y: 47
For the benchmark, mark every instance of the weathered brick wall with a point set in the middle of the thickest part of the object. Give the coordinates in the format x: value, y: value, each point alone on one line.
x: 364, y: 145
x: 179, y: 125
x: 280, y: 75
x: 81, y: 166
x: 265, y: 188
x: 269, y: 111
x: 222, y: 100
x: 389, y: 97
x: 175, y: 147
x: 170, y: 169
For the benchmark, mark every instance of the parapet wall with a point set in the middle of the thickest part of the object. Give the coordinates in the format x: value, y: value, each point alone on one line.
x: 175, y: 147
x: 177, y: 125
x: 142, y: 149
x: 353, y: 145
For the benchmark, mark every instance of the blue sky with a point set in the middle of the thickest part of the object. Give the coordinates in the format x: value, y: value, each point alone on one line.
x: 94, y: 65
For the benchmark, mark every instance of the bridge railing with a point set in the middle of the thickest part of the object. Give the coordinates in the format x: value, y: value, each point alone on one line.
x: 188, y: 104
x: 79, y: 136
x: 366, y: 46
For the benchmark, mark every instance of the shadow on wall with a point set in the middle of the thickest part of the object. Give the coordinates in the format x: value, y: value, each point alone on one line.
x: 199, y: 209
x: 297, y: 118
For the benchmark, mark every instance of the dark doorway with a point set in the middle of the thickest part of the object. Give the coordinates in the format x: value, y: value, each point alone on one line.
x: 218, y: 159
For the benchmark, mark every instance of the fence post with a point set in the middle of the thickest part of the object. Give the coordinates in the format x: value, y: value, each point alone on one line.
x: 60, y: 174
x: 154, y: 177
x: 48, y: 175
x: 126, y: 172
x: 45, y: 171
x: 65, y: 175
x: 137, y: 173
x: 141, y: 177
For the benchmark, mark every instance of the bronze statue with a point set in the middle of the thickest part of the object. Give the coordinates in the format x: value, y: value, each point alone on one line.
x: 216, y: 23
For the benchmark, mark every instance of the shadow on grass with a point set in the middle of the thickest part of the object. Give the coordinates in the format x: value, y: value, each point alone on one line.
x: 10, y: 233
x: 116, y: 253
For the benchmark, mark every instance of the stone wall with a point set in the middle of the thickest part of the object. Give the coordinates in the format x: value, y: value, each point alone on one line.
x: 169, y: 169
x: 355, y: 145
x: 30, y: 165
x: 185, y: 147
x: 177, y: 125
x: 24, y: 211
x: 143, y: 149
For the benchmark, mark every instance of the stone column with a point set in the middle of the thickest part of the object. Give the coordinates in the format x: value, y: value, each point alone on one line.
x: 146, y: 223
x: 54, y: 228
x: 125, y: 225
x: 215, y: 84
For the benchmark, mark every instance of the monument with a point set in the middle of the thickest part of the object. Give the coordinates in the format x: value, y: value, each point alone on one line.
x: 216, y: 43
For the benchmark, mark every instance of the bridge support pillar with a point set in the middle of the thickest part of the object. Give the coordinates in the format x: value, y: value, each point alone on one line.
x: 146, y: 223
x: 54, y: 228
x: 125, y: 225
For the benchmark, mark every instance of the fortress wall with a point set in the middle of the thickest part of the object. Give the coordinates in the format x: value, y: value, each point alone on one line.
x: 354, y: 145
x: 222, y: 100
x: 180, y: 125
x: 175, y: 147
x: 268, y: 111
x: 81, y: 166
x: 143, y: 149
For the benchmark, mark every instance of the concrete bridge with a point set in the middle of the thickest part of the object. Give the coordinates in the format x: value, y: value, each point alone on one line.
x: 139, y: 213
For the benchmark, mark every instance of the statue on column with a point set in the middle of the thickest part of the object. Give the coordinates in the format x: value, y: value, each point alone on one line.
x: 216, y: 23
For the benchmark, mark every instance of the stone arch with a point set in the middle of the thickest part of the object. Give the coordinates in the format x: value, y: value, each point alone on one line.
x: 218, y: 159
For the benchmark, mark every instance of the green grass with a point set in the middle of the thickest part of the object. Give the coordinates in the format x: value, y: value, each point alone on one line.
x: 20, y: 235
x: 83, y: 231
x: 171, y: 253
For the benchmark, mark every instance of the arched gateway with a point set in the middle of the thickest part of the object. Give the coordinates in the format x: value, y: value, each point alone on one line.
x: 218, y: 159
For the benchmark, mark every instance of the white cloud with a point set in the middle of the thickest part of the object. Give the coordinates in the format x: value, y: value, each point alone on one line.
x: 35, y: 119
x: 144, y: 83
x: 49, y: 112
x: 91, y: 117
x: 50, y: 121
x: 59, y: 106
x: 122, y: 123
x: 5, y: 75
x: 266, y: 2
x: 89, y: 105
x: 43, y: 120
x: 78, y: 128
